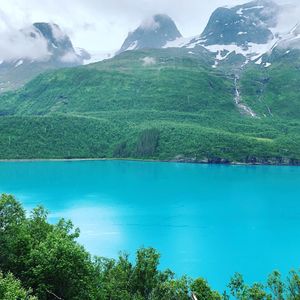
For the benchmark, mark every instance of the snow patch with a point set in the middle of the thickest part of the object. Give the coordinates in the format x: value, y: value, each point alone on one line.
x: 178, y: 43
x: 252, y: 52
x: 132, y: 46
x: 19, y: 63
x: 259, y: 61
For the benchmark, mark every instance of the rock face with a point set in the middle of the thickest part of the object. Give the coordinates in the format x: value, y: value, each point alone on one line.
x: 152, y: 33
x: 242, y: 24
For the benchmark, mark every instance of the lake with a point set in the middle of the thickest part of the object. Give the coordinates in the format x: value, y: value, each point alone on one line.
x: 205, y: 220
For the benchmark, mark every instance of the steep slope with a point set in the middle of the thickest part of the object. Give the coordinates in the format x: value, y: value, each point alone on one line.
x: 241, y: 25
x: 246, y: 31
x: 58, y: 53
x: 152, y: 33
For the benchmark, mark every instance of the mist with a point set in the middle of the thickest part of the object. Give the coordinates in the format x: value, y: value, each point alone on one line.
x: 16, y: 43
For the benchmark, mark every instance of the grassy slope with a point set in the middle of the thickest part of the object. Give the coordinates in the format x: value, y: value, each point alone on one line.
x: 177, y: 106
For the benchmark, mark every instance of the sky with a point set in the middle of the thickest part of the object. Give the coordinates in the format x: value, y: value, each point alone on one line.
x: 102, y: 25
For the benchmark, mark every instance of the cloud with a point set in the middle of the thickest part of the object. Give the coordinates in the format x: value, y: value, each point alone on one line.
x: 58, y: 34
x: 289, y: 16
x: 17, y: 44
x: 148, y: 61
x: 70, y: 57
x: 150, y: 24
x: 112, y: 20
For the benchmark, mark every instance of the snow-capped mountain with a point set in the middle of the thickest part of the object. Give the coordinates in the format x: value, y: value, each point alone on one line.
x: 154, y: 32
x: 248, y: 31
x: 242, y: 24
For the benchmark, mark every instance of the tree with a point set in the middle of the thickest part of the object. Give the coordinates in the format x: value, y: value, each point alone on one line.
x: 237, y: 287
x: 43, y: 256
x: 293, y: 286
x: 276, y: 286
x: 11, y: 289
x: 14, y: 239
x: 202, y: 290
x: 172, y: 289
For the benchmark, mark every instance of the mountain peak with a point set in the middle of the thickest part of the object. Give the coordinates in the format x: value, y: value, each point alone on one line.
x: 154, y: 32
x: 242, y: 24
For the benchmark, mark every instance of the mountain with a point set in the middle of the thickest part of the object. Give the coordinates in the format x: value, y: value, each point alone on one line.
x: 152, y: 33
x: 57, y: 52
x: 212, y: 98
x: 247, y: 31
x: 242, y: 24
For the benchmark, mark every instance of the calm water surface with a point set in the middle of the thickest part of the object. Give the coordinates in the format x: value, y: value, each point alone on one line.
x: 206, y: 220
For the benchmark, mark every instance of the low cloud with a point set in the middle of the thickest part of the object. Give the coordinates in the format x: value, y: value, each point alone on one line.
x: 289, y: 16
x: 70, y: 57
x: 17, y: 44
x: 110, y: 21
x: 150, y: 24
x: 148, y: 61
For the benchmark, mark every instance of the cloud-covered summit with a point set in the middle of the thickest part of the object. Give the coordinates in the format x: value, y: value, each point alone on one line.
x: 154, y: 32
x: 17, y: 43
x: 38, y: 42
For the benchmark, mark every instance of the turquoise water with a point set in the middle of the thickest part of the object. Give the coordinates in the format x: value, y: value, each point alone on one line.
x: 206, y: 220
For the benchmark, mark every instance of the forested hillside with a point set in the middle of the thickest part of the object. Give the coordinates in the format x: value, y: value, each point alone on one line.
x: 156, y: 104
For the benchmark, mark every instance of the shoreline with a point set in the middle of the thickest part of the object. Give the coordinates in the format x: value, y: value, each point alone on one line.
x: 187, y: 161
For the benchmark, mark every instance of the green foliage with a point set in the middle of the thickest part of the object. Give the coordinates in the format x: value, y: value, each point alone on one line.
x: 276, y: 285
x: 47, y: 259
x: 147, y: 143
x: 294, y: 286
x: 11, y: 289
x: 275, y: 289
x: 44, y: 260
x: 202, y: 290
x: 178, y: 108
x: 273, y: 91
x: 44, y: 257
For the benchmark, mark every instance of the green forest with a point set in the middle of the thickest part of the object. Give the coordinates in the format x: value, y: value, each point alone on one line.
x: 177, y: 108
x: 39, y: 260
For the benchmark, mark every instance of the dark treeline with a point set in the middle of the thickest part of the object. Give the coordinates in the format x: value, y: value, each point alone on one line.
x: 39, y: 260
